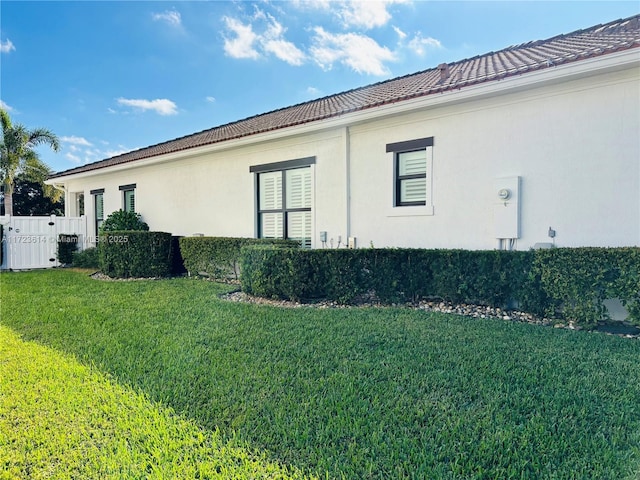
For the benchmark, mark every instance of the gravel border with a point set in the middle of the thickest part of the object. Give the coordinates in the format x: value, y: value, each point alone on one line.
x: 473, y: 311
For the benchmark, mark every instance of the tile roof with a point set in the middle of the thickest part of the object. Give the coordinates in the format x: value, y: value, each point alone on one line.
x: 515, y: 60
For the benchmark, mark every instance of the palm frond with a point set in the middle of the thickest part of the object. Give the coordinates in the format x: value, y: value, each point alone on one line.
x: 17, y: 154
x: 40, y: 136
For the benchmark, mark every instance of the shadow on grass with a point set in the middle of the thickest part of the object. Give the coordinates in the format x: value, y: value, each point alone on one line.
x: 359, y: 393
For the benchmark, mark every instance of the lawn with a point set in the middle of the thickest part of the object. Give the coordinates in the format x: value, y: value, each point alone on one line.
x: 170, y: 377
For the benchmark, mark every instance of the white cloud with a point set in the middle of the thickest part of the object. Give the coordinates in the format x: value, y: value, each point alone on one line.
x: 211, y: 99
x: 82, y: 156
x: 171, y: 17
x: 161, y: 106
x: 73, y: 158
x: 6, y: 107
x: 273, y: 42
x: 259, y: 35
x: 365, y: 14
x: 74, y: 141
x: 246, y: 42
x: 285, y: 51
x: 401, y: 34
x: 420, y: 45
x: 241, y: 46
x: 6, y: 46
x: 313, y: 91
x: 359, y: 52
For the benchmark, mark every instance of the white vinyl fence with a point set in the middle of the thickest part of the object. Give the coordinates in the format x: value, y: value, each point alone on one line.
x: 32, y: 242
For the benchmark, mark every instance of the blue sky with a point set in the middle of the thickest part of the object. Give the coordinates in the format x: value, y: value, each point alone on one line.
x: 109, y: 77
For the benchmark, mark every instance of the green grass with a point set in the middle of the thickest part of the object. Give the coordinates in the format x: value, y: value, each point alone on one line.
x: 60, y: 419
x: 343, y: 393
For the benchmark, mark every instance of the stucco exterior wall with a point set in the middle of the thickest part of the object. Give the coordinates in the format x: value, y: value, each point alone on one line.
x: 573, y: 144
x: 214, y: 194
x: 575, y: 147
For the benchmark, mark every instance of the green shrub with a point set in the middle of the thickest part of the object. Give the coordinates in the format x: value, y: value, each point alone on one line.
x: 121, y: 220
x: 578, y: 280
x: 124, y: 254
x: 219, y: 257
x: 391, y: 275
x: 570, y: 283
x: 1, y: 244
x: 87, y: 258
x: 67, y: 245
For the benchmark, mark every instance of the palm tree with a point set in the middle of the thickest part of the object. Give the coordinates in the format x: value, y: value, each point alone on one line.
x: 17, y: 155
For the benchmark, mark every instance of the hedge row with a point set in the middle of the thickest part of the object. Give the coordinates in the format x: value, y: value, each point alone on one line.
x: 219, y: 257
x: 392, y: 275
x: 128, y: 253
x: 578, y: 280
x: 558, y: 282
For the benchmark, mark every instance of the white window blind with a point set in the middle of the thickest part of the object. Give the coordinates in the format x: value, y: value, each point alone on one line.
x: 299, y: 227
x: 412, y: 163
x: 284, y: 204
x: 412, y: 183
x: 99, y: 210
x: 298, y: 188
x: 270, y: 191
x: 129, y: 201
x: 271, y: 225
x: 413, y: 190
x: 99, y: 207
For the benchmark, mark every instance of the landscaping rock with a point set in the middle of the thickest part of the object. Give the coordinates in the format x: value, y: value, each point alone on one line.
x: 473, y: 311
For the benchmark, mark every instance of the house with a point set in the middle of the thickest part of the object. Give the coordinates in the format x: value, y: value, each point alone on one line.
x: 533, y: 145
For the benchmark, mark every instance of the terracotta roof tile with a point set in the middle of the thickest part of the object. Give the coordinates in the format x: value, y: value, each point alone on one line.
x: 515, y: 60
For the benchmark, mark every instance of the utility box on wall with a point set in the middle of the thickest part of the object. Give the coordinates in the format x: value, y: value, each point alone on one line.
x: 506, y: 208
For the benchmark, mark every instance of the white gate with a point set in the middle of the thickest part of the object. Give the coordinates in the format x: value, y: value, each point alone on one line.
x: 32, y: 242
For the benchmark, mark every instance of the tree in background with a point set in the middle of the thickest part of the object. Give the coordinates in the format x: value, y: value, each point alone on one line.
x: 17, y: 155
x: 29, y: 199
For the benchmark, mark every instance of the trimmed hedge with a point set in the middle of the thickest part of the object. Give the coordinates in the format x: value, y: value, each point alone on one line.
x: 87, y: 258
x: 127, y: 253
x: 219, y: 257
x: 391, y: 275
x: 67, y: 245
x: 578, y: 280
x: 569, y: 283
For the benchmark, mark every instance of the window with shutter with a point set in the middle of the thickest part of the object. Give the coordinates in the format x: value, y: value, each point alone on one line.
x: 128, y: 197
x: 411, y: 169
x: 284, y: 200
x: 412, y: 174
x: 129, y: 201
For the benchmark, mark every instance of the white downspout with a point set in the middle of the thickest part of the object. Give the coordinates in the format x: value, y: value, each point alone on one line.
x: 347, y: 157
